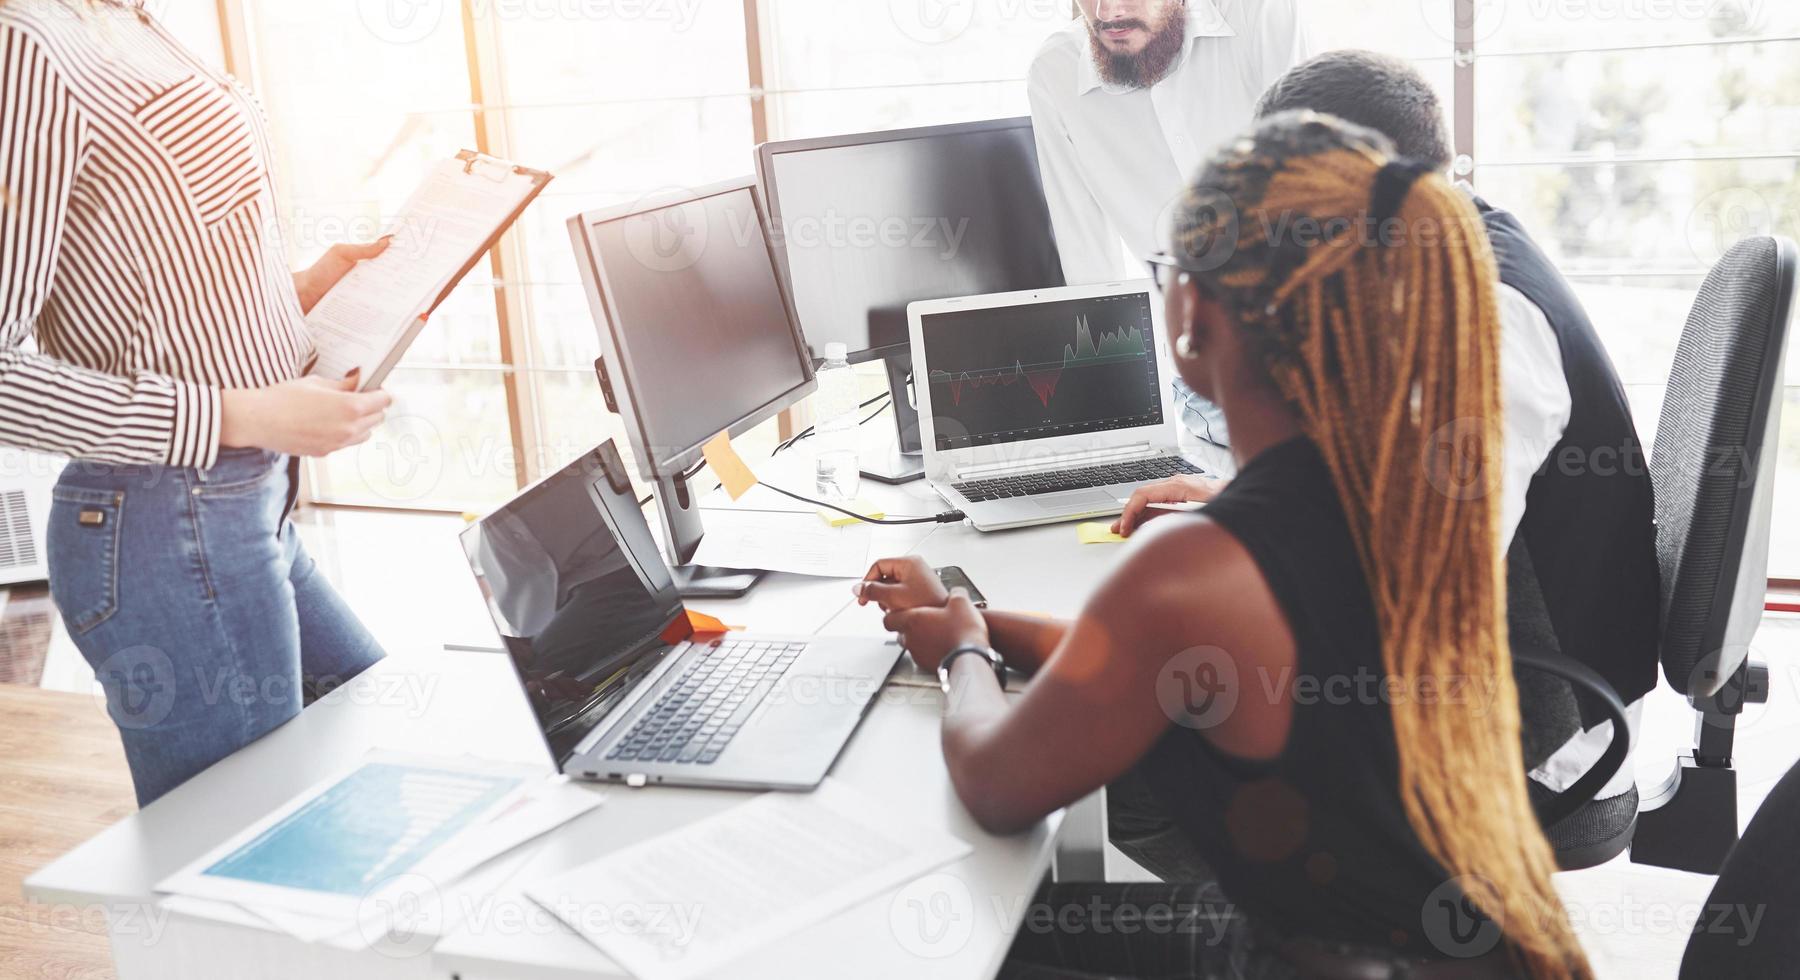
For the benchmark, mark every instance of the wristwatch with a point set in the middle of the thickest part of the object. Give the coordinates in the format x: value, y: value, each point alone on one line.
x: 993, y: 658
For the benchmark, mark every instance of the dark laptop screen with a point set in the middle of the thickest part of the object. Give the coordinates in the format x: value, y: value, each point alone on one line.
x: 1042, y: 370
x: 578, y: 591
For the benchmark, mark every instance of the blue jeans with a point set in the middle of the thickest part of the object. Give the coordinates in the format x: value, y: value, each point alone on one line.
x: 1203, y: 419
x: 190, y: 595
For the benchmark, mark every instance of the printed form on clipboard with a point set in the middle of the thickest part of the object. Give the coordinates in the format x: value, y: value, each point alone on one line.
x: 371, y: 316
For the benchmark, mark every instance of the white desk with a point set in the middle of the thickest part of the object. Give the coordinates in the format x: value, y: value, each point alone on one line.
x: 430, y: 700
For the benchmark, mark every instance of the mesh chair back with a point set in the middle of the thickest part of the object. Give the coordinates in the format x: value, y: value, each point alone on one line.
x: 1714, y: 464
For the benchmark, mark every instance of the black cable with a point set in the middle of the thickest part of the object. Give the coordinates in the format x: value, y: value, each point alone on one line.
x: 873, y: 415
x: 809, y: 430
x: 948, y: 517
x: 689, y: 475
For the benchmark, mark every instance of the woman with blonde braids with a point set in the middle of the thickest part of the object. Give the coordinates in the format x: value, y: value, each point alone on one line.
x: 1311, y: 675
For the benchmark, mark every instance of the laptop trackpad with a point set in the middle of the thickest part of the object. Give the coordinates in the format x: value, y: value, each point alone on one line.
x: 1076, y: 500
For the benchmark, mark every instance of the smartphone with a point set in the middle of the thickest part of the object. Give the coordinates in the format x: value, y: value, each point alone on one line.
x: 955, y: 578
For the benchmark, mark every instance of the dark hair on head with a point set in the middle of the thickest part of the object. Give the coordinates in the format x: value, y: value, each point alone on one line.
x: 1376, y: 91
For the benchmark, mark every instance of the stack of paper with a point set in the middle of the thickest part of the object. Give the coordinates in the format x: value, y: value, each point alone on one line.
x: 690, y: 902
x: 786, y: 542
x: 393, y: 853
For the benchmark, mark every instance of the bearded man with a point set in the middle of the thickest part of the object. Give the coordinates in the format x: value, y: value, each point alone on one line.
x: 1128, y: 100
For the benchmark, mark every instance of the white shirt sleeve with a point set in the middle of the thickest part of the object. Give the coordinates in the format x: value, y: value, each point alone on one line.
x: 1085, y: 239
x: 1535, y: 399
x: 1278, y: 41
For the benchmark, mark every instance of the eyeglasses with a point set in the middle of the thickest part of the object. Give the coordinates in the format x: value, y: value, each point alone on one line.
x: 1164, y: 270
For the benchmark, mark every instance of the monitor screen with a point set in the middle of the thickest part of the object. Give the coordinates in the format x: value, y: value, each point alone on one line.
x: 578, y: 592
x: 1042, y: 370
x: 702, y: 329
x: 869, y: 224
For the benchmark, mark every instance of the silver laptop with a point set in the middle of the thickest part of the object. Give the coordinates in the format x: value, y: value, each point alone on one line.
x: 1047, y: 405
x: 623, y: 688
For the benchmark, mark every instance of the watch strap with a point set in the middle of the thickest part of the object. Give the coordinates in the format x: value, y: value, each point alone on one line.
x: 987, y: 653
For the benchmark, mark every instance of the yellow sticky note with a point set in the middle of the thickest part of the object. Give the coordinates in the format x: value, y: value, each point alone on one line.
x: 728, y: 466
x: 1098, y: 534
x: 861, y: 506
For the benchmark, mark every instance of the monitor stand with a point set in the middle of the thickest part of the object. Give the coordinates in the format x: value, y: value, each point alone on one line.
x: 683, y: 529
x: 904, y: 461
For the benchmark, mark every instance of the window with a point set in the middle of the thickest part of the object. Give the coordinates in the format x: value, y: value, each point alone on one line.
x: 837, y: 67
x: 1638, y: 140
x: 351, y: 143
x: 621, y: 105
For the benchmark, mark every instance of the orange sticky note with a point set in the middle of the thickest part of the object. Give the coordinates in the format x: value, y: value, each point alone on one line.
x: 728, y: 466
x: 702, y: 623
x: 697, y: 624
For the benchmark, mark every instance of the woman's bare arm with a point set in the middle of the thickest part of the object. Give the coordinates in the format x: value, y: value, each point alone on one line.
x: 1105, y: 693
x: 1026, y: 641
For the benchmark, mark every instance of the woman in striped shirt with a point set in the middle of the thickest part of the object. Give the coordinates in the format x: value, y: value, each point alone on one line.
x: 139, y: 248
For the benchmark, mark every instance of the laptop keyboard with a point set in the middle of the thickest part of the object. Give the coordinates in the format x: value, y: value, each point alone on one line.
x: 698, y: 715
x: 1056, y: 481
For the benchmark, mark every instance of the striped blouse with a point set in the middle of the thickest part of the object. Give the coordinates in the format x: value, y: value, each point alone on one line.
x: 139, y: 243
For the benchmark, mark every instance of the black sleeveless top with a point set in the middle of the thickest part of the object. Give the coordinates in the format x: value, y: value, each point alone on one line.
x: 1313, y: 844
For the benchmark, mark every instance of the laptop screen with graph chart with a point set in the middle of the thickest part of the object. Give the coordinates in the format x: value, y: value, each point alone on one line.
x: 1042, y: 370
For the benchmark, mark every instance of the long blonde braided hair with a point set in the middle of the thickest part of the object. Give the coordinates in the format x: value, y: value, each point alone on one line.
x: 1385, y: 340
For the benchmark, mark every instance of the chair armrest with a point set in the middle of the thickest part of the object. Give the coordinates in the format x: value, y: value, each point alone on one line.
x: 1581, y: 676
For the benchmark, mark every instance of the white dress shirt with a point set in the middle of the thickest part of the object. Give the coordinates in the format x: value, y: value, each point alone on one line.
x: 1114, y: 159
x: 1537, y: 406
x: 1534, y: 398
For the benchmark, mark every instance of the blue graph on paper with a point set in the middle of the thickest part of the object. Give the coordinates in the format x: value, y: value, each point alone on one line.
x: 379, y: 821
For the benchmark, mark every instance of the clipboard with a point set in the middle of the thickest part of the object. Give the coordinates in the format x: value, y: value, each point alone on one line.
x: 371, y: 317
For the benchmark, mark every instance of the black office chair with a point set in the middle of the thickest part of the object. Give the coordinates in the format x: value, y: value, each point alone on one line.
x: 1582, y: 831
x: 1715, y: 496
x: 1749, y: 928
x: 1714, y: 470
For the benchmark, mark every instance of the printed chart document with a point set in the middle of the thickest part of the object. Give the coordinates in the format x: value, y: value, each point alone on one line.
x: 798, y: 543
x: 336, y: 849
x: 690, y: 902
x: 371, y: 316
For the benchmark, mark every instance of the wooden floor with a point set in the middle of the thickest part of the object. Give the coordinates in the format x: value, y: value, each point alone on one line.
x: 62, y: 780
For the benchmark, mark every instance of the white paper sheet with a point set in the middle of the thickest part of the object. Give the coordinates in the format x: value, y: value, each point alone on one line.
x: 337, y: 849
x: 372, y: 314
x: 690, y: 902
x: 797, y: 543
x: 415, y: 920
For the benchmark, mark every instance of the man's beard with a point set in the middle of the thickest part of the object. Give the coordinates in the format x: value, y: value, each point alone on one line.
x: 1148, y: 66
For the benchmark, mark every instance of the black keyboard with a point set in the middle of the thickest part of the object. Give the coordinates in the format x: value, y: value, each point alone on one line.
x: 698, y: 715
x: 1056, y: 481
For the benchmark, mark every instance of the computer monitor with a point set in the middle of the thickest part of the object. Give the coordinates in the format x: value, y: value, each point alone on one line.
x: 696, y: 337
x: 870, y: 223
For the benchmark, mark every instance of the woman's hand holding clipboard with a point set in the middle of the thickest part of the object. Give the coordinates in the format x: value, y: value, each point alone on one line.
x: 368, y: 320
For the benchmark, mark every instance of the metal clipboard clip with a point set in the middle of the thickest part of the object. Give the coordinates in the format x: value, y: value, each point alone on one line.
x: 482, y: 165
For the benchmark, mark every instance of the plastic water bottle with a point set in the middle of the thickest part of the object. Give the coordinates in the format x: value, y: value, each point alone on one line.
x: 838, y: 471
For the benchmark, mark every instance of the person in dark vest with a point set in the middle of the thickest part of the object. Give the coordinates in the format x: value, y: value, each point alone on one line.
x: 1578, y: 511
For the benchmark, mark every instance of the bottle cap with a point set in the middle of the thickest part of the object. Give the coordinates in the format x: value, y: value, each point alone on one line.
x: 835, y: 351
